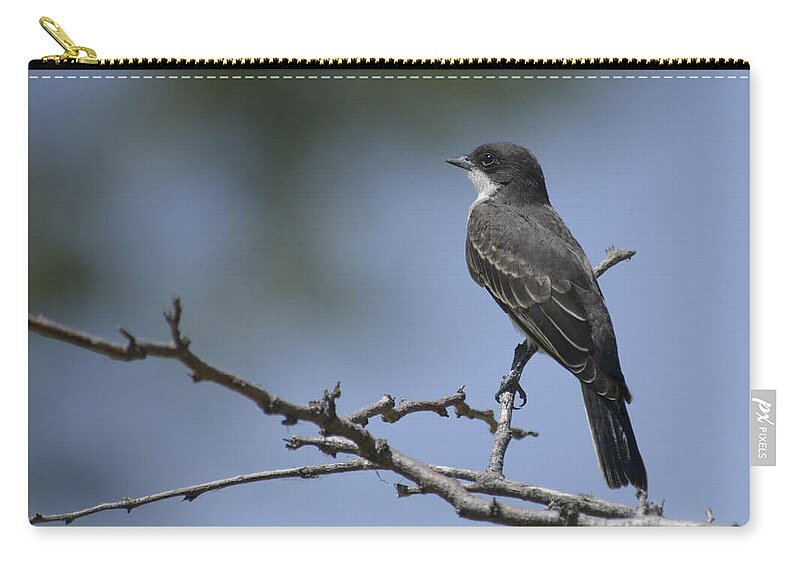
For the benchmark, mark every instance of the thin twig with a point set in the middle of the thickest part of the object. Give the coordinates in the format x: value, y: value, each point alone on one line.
x: 391, y: 412
x: 191, y: 493
x: 613, y: 256
x: 362, y: 416
x: 487, y: 415
x: 327, y: 445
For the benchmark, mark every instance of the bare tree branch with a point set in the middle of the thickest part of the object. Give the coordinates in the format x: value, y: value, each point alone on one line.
x: 327, y: 445
x: 321, y: 413
x: 191, y: 493
x: 613, y: 256
x: 390, y: 412
x: 488, y: 484
x: 348, y: 435
x: 488, y: 417
x: 482, y: 484
x: 502, y: 437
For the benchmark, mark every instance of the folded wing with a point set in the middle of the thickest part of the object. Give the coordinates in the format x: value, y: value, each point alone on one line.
x: 543, y: 284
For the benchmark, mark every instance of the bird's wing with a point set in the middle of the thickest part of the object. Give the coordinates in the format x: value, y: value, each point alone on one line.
x: 542, y: 280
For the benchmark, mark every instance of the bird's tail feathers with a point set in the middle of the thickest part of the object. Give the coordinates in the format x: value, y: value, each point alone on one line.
x: 614, y: 441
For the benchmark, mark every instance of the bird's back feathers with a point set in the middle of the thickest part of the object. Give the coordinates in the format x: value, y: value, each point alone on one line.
x: 540, y: 276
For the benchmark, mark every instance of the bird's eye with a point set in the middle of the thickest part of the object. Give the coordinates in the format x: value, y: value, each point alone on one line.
x: 487, y: 159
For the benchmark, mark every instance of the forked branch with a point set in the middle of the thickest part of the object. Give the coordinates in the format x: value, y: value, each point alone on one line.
x: 349, y: 435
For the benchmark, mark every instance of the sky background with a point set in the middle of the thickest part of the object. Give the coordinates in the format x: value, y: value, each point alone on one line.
x: 315, y: 235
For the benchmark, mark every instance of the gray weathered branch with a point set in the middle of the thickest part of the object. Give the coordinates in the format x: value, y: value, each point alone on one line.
x: 191, y: 493
x: 502, y: 437
x: 321, y: 413
x: 349, y: 435
x: 613, y: 256
x: 391, y: 412
x: 485, y: 483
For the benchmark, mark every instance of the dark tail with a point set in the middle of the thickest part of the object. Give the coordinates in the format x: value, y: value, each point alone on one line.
x: 614, y: 441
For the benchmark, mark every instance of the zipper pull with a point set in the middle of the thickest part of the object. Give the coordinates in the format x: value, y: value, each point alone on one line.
x: 72, y: 52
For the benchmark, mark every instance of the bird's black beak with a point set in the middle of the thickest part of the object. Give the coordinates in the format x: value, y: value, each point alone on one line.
x: 461, y: 161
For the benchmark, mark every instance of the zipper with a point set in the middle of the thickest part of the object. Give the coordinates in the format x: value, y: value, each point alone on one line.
x: 79, y: 57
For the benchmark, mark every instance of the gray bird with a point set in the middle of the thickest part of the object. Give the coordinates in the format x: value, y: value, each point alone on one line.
x: 521, y: 251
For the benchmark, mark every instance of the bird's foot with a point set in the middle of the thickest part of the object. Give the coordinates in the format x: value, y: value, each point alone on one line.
x: 510, y: 384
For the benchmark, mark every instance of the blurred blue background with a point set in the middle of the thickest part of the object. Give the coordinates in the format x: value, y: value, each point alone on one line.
x: 315, y: 234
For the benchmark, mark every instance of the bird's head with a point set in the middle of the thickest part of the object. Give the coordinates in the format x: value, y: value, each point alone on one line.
x: 496, y: 167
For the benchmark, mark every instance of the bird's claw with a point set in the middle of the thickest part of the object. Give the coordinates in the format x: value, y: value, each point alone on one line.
x: 523, y: 397
x: 510, y: 384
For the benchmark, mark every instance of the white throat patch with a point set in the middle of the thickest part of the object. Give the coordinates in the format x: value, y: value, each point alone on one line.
x: 483, y: 186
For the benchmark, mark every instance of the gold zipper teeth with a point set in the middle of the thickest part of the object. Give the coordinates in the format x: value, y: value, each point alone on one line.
x: 364, y: 62
x: 78, y: 55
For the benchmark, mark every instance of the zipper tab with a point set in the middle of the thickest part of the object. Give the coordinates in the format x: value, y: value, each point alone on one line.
x: 72, y: 52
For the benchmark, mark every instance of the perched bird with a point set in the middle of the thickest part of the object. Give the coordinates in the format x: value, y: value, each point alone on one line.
x: 521, y: 251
